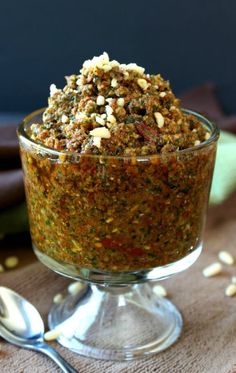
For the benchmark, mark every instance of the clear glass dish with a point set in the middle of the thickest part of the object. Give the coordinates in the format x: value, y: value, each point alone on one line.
x: 117, y: 223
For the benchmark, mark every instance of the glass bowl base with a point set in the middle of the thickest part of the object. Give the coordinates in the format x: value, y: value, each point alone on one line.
x: 116, y: 323
x: 119, y: 278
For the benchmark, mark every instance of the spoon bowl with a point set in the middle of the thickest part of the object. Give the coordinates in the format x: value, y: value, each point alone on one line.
x: 22, y: 325
x: 19, y: 316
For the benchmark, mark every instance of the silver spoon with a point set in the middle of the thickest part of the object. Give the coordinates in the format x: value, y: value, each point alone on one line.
x: 22, y: 325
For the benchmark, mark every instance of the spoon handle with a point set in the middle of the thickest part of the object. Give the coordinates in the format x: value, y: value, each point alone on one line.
x: 56, y: 357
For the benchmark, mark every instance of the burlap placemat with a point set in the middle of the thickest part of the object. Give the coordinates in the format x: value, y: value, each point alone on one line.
x: 208, y: 341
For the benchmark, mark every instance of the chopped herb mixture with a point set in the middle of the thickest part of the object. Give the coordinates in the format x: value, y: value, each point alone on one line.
x: 122, y: 212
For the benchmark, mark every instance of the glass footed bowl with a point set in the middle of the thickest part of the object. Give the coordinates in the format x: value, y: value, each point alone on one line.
x: 116, y: 224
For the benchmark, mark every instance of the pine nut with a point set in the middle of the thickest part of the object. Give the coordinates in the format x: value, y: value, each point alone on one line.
x: 162, y: 94
x: 101, y: 132
x: 114, y: 83
x: 233, y: 279
x: 160, y: 290
x: 159, y: 119
x: 65, y: 119
x: 1, y: 268
x: 226, y: 257
x: 58, y: 298
x: 100, y: 120
x: 11, y: 262
x: 120, y: 101
x: 108, y: 109
x: 142, y: 83
x: 230, y: 290
x: 75, y: 287
x: 111, y: 119
x: 100, y: 100
x: 51, y: 335
x: 212, y: 270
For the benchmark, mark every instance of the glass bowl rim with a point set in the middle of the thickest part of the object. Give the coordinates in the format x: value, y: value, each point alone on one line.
x: 21, y: 132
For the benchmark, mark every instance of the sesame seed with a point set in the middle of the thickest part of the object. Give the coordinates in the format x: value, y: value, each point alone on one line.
x: 100, y: 100
x: 197, y: 142
x: 120, y: 101
x: 159, y: 119
x: 207, y: 136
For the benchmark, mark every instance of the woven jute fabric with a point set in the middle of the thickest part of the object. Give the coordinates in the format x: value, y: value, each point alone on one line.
x: 208, y: 340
